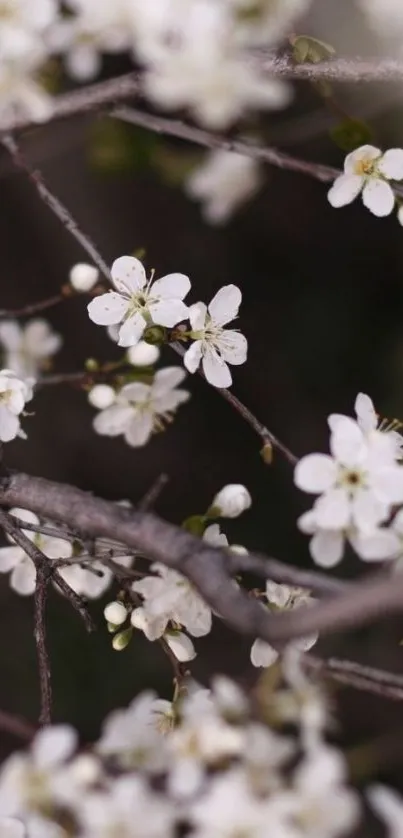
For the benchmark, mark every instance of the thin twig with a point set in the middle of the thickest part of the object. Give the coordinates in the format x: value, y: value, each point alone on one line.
x: 54, y: 204
x: 357, y: 676
x: 350, y: 70
x: 45, y: 680
x: 17, y: 726
x: 208, y: 139
x: 53, y: 532
x: 150, y: 497
x: 33, y: 308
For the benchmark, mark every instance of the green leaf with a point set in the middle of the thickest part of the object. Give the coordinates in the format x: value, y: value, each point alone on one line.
x: 351, y: 134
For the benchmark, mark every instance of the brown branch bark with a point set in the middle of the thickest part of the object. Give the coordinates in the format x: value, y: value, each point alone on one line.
x: 45, y: 677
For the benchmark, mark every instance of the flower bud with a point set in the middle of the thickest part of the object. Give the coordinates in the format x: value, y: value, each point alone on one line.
x: 231, y: 501
x: 143, y: 354
x: 101, y: 396
x: 115, y: 613
x: 155, y: 335
x: 181, y: 645
x: 83, y: 277
x: 121, y: 640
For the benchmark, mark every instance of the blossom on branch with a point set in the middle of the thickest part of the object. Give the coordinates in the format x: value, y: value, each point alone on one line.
x: 222, y: 183
x: 214, y: 346
x: 283, y: 598
x: 138, y: 303
x: 28, y: 348
x: 368, y: 170
x: 14, y: 393
x: 139, y: 409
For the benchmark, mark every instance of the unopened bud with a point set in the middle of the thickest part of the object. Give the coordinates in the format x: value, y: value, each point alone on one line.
x: 143, y: 354
x: 231, y: 501
x: 101, y: 396
x: 115, y: 613
x: 181, y: 645
x: 121, y: 640
x: 83, y: 277
x: 155, y: 335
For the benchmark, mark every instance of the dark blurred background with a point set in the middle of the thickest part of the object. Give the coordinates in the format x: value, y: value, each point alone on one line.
x: 323, y: 313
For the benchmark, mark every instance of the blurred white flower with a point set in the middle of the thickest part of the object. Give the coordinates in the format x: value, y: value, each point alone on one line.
x: 14, y: 393
x: 388, y: 805
x: 138, y: 303
x: 141, y: 409
x: 214, y: 346
x: 232, y: 500
x: 14, y: 559
x: 128, y: 809
x: 283, y: 598
x: 368, y: 170
x: 223, y: 182
x: 168, y: 596
x: 27, y: 348
x: 131, y: 736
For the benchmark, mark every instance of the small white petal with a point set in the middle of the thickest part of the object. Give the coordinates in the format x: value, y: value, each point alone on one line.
x: 107, y: 309
x: 172, y: 286
x: 10, y: 558
x: 378, y: 197
x: 181, y: 645
x: 347, y: 441
x: 225, y: 305
x: 233, y: 347
x: 367, y: 510
x: 400, y: 215
x: 262, y: 654
x: 168, y: 312
x: 23, y: 578
x: 128, y: 275
x: 344, y: 190
x: 167, y: 379
x: 54, y: 745
x: 9, y: 425
x: 366, y: 415
x: 377, y: 545
x: 216, y: 370
x: 326, y: 547
x: 139, y: 429
x: 388, y: 484
x: 193, y: 356
x: 391, y: 164
x: 112, y: 421
x: 131, y: 330
x: 333, y: 510
x: 315, y: 473
x: 197, y: 315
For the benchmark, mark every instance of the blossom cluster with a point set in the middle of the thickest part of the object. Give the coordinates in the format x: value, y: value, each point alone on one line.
x: 205, y: 762
x: 138, y: 304
x: 194, y: 54
x: 360, y: 487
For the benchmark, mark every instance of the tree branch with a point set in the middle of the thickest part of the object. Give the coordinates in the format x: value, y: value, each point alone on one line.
x: 350, y: 70
x: 209, y: 139
x: 45, y: 680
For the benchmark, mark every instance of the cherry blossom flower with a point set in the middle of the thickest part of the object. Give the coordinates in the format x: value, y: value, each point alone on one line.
x: 214, y: 346
x: 368, y: 170
x: 137, y: 303
x: 27, y: 348
x: 130, y: 809
x: 14, y: 393
x: 141, y: 409
x: 21, y: 96
x: 131, y: 736
x: 169, y: 597
x: 358, y: 484
x: 282, y: 597
x: 223, y: 182
x: 14, y: 559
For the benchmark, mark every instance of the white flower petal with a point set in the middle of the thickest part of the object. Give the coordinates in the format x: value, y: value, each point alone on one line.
x: 388, y: 484
x: 278, y: 594
x: 168, y: 312
x: 181, y: 645
x: 326, y: 547
x: 347, y: 442
x: 315, y: 473
x: 333, y: 510
x: 112, y: 421
x: 128, y: 275
x: 366, y: 416
x: 197, y: 315
x: 139, y: 429
x: 137, y: 391
x: 131, y: 330
x: 9, y: 425
x: 10, y: 557
x: 233, y: 347
x: 377, y: 545
x: 193, y: 356
x: 262, y: 654
x: 107, y: 309
x: 378, y: 197
x: 391, y: 164
x: 23, y: 578
x: 367, y: 510
x: 167, y: 379
x: 216, y: 370
x: 225, y: 305
x: 344, y: 190
x: 172, y: 286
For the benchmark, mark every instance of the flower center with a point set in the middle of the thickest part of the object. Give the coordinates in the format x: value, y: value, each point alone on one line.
x: 351, y: 479
x: 365, y: 166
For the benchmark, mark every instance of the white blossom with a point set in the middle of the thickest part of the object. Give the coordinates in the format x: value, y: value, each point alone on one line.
x: 223, y: 182
x: 128, y: 809
x: 368, y: 170
x: 14, y: 559
x: 21, y: 96
x: 143, y: 354
x: 83, y: 277
x: 232, y: 500
x: 214, y: 346
x: 141, y: 409
x: 14, y: 393
x: 283, y: 598
x: 12, y: 828
x: 368, y: 421
x: 26, y: 349
x: 132, y: 737
x: 230, y: 808
x: 22, y: 25
x: 169, y: 596
x: 358, y: 484
x: 137, y: 303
